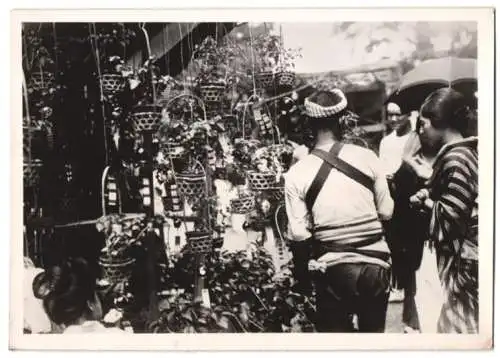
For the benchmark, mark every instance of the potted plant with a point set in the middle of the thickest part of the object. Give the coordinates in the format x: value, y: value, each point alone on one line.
x: 38, y: 65
x: 121, y: 235
x: 274, y: 63
x: 115, y: 76
x: 147, y: 85
x: 210, y: 80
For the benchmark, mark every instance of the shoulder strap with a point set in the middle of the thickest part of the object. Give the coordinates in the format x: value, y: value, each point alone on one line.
x: 320, y: 178
x: 332, y: 160
x: 346, y: 168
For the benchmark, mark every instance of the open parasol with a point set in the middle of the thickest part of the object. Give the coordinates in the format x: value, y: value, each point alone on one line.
x: 417, y: 84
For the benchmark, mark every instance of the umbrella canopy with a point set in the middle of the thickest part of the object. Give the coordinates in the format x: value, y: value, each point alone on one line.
x: 417, y: 84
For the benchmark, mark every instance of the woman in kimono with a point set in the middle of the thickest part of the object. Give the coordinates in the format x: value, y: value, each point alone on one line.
x: 451, y: 198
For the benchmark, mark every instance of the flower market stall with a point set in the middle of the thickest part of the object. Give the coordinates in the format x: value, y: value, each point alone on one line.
x: 161, y: 172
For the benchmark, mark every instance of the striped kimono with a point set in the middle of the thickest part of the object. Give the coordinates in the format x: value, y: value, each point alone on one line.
x: 453, y: 230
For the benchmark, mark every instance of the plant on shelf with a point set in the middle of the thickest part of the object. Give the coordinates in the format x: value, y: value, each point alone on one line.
x: 246, y: 289
x: 181, y: 315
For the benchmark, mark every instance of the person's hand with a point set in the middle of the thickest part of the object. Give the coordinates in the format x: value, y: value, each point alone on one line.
x: 314, y: 265
x: 418, y: 199
x: 420, y: 167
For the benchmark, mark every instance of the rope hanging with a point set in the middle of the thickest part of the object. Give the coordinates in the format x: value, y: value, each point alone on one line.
x: 252, y: 58
x: 95, y: 52
x: 26, y: 103
x: 148, y: 45
x: 182, y: 59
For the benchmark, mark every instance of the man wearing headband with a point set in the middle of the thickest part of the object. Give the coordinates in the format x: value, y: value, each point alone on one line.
x: 336, y: 199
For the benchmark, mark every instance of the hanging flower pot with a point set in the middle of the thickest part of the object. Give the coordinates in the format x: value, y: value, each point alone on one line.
x: 263, y: 181
x: 112, y: 83
x: 116, y: 269
x: 212, y: 93
x: 244, y: 204
x: 199, y: 242
x: 31, y: 173
x: 173, y: 150
x: 285, y: 79
x: 41, y: 80
x: 264, y: 80
x: 146, y: 118
x: 191, y: 184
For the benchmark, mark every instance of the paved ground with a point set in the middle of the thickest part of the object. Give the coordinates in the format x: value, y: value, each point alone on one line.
x: 393, y: 323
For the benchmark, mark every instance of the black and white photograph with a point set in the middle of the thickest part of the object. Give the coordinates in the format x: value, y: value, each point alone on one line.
x: 253, y: 177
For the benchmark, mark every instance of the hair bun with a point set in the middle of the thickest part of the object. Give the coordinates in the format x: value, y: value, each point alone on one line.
x: 41, y: 286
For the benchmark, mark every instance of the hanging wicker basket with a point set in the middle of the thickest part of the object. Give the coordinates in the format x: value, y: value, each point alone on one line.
x: 199, y: 242
x: 192, y: 185
x: 146, y: 118
x: 112, y: 84
x: 263, y: 181
x: 173, y: 150
x: 264, y: 80
x: 41, y: 80
x: 116, y: 270
x: 242, y: 205
x: 31, y: 173
x: 212, y: 93
x: 285, y: 79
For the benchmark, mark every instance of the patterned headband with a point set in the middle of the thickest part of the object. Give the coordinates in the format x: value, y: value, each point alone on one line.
x: 315, y: 110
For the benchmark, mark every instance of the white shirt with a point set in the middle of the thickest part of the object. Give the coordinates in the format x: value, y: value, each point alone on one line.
x: 391, y: 152
x: 341, y: 200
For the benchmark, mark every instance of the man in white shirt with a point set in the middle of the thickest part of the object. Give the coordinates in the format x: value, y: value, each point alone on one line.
x: 391, y: 155
x: 335, y: 214
x: 392, y: 145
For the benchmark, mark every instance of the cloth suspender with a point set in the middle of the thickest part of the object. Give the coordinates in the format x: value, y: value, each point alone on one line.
x: 331, y: 160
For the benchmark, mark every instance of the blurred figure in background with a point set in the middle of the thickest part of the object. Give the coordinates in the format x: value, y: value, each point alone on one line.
x: 391, y: 156
x: 392, y: 145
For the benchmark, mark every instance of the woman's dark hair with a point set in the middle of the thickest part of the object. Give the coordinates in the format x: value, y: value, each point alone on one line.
x: 65, y: 290
x: 447, y: 108
x: 327, y: 99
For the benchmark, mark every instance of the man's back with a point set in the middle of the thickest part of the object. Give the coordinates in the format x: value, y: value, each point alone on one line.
x: 342, y: 200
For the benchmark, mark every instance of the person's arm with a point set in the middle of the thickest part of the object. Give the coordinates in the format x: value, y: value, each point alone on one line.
x: 452, y: 209
x: 300, y: 244
x: 383, y: 200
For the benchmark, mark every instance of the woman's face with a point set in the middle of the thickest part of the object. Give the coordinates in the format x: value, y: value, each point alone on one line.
x: 430, y: 136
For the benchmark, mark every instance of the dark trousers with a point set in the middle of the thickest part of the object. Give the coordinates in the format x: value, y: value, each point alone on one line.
x: 410, y: 313
x: 346, y: 289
